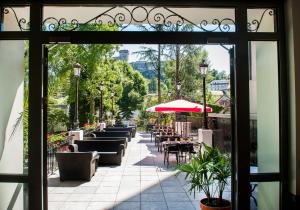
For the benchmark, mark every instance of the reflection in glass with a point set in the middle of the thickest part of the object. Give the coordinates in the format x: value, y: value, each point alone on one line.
x: 264, y: 107
x: 261, y: 20
x: 264, y: 195
x: 15, y: 19
x: 13, y: 196
x: 13, y: 107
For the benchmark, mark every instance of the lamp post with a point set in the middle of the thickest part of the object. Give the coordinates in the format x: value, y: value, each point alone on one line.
x: 178, y: 87
x: 169, y: 94
x: 77, y: 69
x: 112, y: 102
x: 101, y: 88
x: 203, y: 71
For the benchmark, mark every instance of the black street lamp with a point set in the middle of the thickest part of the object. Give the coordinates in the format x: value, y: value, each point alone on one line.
x: 203, y: 71
x: 77, y: 69
x: 101, y: 88
x: 112, y: 102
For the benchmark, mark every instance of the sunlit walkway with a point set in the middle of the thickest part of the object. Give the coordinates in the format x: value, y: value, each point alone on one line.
x: 141, y: 182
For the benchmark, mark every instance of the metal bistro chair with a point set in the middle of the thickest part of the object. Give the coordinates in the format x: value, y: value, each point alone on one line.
x: 159, y: 140
x: 186, y: 149
x: 171, y: 149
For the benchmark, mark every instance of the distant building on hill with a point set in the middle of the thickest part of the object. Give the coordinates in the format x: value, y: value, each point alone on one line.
x: 147, y: 69
x: 219, y: 85
x: 221, y: 88
x: 123, y: 55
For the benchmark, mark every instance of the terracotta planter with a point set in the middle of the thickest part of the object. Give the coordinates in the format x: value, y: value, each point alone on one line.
x: 203, y: 206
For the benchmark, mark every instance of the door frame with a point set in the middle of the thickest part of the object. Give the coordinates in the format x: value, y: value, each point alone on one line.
x: 241, y: 175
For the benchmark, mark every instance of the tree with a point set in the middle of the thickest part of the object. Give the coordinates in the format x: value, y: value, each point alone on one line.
x: 176, y: 52
x: 152, y: 85
x: 153, y: 57
x: 97, y: 65
x: 134, y: 91
x: 219, y: 75
x: 190, y: 56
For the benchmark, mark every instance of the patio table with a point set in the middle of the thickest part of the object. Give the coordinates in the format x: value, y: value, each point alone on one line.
x: 162, y: 138
x: 183, y: 146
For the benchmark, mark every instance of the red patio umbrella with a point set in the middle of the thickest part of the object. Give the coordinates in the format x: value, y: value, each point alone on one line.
x: 178, y: 106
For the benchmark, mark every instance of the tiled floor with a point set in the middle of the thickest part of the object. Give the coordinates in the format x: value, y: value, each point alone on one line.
x: 142, y: 182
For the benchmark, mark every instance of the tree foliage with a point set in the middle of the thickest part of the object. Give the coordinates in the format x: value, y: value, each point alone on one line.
x: 189, y: 76
x: 97, y: 65
x: 134, y: 91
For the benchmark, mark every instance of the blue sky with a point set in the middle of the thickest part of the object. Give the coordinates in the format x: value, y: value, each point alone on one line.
x: 218, y: 56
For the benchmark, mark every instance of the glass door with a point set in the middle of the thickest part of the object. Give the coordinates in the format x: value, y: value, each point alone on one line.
x: 13, y: 124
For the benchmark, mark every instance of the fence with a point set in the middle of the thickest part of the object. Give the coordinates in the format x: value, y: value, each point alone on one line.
x: 52, y: 165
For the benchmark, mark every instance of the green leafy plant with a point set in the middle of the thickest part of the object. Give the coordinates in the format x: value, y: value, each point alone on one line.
x: 56, y: 117
x: 56, y: 140
x: 208, y: 171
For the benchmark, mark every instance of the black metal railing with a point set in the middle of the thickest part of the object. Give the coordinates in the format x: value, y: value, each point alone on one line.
x: 52, y: 165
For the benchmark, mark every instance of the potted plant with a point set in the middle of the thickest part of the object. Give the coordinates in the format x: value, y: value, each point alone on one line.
x: 209, y: 171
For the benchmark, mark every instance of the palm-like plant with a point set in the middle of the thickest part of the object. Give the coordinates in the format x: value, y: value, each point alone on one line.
x: 208, y: 171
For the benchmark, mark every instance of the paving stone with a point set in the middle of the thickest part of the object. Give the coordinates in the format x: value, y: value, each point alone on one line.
x: 101, y: 206
x: 71, y: 183
x: 152, y: 190
x: 84, y: 190
x: 55, y: 205
x: 152, y: 197
x: 149, y: 178
x: 107, y: 190
x: 128, y: 206
x: 154, y: 206
x: 80, y: 197
x: 58, y: 197
x: 93, y: 183
x: 174, y: 197
x: 110, y: 184
x: 104, y: 197
x: 180, y: 206
x: 172, y: 189
x: 75, y: 206
x: 128, y: 197
x: 63, y: 190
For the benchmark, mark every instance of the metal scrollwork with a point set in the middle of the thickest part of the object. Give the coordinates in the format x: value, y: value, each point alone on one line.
x: 123, y: 17
x: 53, y: 24
x: 255, y: 24
x: 22, y: 23
x: 151, y: 18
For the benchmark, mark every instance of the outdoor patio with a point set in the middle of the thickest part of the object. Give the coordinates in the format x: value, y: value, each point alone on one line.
x: 141, y: 182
